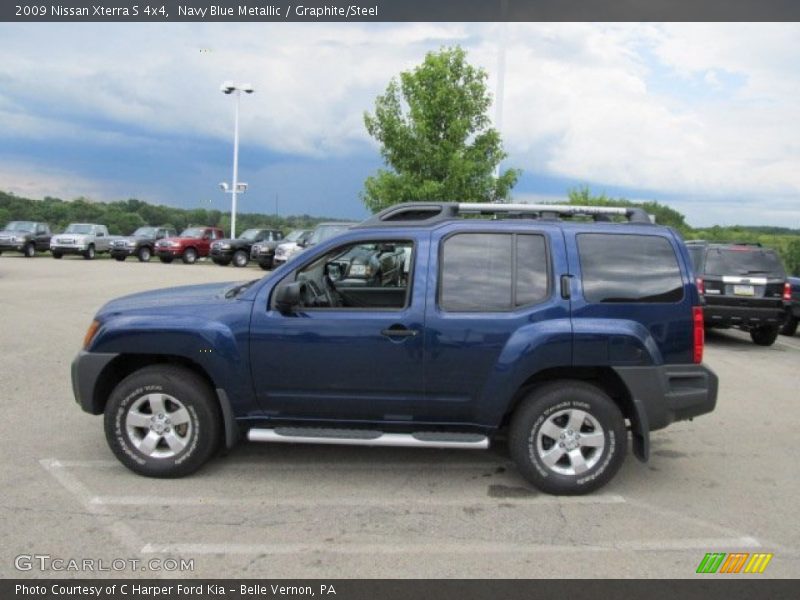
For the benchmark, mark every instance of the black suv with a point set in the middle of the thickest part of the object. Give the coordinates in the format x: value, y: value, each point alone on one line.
x: 141, y: 244
x: 744, y: 285
x: 26, y: 237
x: 237, y: 250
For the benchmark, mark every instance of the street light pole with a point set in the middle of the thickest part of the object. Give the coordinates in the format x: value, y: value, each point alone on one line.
x: 229, y: 88
x: 235, y: 164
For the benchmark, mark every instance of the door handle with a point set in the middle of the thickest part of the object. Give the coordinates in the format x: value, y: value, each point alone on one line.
x: 399, y: 332
x: 566, y: 293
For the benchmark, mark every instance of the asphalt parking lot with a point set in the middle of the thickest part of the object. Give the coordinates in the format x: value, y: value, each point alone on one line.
x: 727, y: 482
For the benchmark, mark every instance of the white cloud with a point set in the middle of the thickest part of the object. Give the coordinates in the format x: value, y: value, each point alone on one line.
x: 39, y: 181
x: 638, y: 106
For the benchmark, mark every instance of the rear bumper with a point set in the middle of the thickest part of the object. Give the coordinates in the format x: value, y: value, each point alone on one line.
x: 727, y: 315
x: 86, y: 369
x: 664, y: 394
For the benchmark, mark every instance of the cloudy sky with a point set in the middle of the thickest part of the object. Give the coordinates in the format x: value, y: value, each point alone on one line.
x: 702, y: 117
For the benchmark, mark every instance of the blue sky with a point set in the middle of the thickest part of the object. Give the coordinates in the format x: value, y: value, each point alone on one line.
x: 702, y: 117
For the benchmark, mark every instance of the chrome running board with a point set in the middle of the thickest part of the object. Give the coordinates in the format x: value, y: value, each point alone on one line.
x: 360, y: 437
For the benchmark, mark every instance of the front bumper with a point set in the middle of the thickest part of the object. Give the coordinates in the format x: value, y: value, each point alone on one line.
x: 222, y: 253
x: 69, y: 249
x: 12, y: 246
x: 86, y: 370
x: 169, y: 252
x: 122, y: 251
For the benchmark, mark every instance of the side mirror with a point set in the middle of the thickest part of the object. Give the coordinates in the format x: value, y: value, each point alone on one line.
x: 289, y: 296
x: 301, y: 243
x: 333, y: 270
x: 391, y: 248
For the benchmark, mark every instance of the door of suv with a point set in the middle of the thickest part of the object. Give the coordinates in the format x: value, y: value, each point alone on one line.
x: 360, y: 360
x: 495, y: 315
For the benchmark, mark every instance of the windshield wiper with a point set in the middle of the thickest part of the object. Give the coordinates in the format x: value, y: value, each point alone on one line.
x: 236, y: 290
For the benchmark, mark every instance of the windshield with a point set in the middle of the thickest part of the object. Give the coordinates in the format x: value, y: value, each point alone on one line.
x: 250, y: 235
x: 21, y: 226
x: 193, y: 232
x: 325, y: 232
x: 145, y: 232
x: 78, y: 228
x: 743, y: 260
x: 295, y: 235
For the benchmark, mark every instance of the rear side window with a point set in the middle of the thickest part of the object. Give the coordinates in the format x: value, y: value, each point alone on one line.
x: 490, y: 272
x: 629, y: 268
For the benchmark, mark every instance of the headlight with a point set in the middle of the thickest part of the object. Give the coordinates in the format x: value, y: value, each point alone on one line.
x: 15, y: 239
x: 225, y: 246
x: 131, y: 244
x: 280, y: 251
x: 90, y: 333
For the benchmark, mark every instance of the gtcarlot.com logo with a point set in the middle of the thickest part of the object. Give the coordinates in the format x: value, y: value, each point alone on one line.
x: 736, y: 562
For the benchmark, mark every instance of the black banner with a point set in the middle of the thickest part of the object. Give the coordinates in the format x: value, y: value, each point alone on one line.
x: 702, y: 588
x: 155, y: 11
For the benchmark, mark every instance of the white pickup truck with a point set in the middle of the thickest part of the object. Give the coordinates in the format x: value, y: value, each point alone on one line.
x: 86, y: 239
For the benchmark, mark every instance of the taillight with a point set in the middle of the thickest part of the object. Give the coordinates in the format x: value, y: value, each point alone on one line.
x: 787, y: 292
x: 701, y: 288
x: 699, y: 333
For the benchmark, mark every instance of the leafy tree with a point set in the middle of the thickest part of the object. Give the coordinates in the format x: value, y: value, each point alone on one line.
x: 664, y: 214
x: 436, y: 136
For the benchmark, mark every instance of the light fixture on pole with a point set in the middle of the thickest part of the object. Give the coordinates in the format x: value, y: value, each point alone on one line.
x: 228, y: 88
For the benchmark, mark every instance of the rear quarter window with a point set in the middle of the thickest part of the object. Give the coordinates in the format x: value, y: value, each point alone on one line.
x: 629, y: 268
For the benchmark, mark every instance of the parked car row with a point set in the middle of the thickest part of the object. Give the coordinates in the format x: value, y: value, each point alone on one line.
x: 267, y: 247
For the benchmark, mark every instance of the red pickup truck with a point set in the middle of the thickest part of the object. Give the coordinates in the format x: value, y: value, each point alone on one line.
x: 190, y: 245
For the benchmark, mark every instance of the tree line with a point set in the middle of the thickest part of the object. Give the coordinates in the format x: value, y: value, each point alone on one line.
x: 125, y: 216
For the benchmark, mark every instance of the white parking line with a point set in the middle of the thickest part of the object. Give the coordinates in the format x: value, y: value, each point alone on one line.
x: 432, y: 547
x: 69, y: 482
x: 356, y: 501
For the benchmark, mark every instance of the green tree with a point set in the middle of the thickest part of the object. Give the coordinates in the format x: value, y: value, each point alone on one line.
x: 436, y: 137
x: 664, y: 214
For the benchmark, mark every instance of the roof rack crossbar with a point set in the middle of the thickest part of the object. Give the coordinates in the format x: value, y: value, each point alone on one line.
x: 414, y: 213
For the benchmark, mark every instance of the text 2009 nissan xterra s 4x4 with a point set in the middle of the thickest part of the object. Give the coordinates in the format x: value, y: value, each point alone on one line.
x: 560, y: 333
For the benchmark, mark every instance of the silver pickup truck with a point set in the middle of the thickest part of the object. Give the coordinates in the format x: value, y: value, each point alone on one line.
x: 86, y: 239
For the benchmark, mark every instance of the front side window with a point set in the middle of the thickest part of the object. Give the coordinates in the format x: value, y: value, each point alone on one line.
x: 487, y: 272
x: 629, y: 268
x: 371, y: 275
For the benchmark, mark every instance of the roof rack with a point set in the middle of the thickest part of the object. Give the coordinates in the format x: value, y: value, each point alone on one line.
x: 429, y: 213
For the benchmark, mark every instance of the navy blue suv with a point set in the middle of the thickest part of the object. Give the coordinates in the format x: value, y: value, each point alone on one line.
x: 555, y: 327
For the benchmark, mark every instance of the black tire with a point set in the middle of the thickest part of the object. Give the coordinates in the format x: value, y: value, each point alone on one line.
x: 201, y: 428
x: 222, y: 262
x: 550, y: 405
x: 189, y: 256
x: 165, y: 259
x: 240, y: 258
x: 264, y: 266
x: 57, y: 254
x: 764, y: 335
x: 90, y: 253
x: 790, y: 326
x: 144, y: 254
x: 29, y: 250
x: 120, y: 258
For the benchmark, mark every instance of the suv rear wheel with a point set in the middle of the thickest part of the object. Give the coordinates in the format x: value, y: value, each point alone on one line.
x: 764, y: 335
x: 162, y: 421
x: 568, y: 437
x: 790, y: 326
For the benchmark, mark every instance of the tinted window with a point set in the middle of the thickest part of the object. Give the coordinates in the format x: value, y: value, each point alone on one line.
x: 477, y: 272
x: 531, y: 269
x: 629, y: 268
x: 743, y: 260
x: 696, y: 254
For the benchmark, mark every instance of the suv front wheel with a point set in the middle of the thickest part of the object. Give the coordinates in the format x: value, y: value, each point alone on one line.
x: 568, y: 437
x: 162, y: 421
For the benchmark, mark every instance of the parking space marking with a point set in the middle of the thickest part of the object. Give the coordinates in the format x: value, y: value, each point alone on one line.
x: 787, y: 344
x: 360, y: 501
x: 467, y: 547
x: 101, y: 507
x: 122, y: 532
